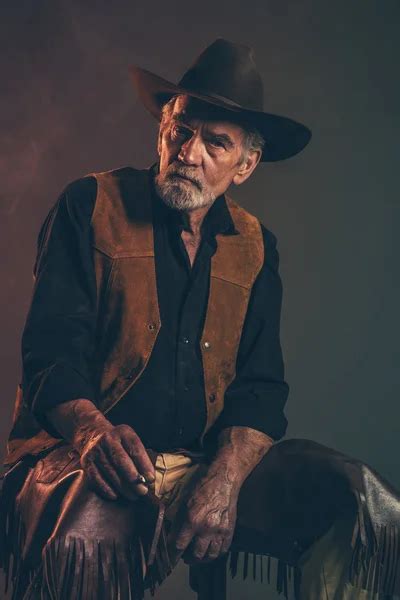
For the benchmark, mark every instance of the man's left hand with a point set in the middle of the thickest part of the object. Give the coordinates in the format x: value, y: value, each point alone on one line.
x: 209, y: 517
x: 209, y: 520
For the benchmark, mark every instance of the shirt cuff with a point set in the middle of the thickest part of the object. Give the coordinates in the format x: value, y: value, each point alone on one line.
x: 262, y: 411
x: 53, y: 386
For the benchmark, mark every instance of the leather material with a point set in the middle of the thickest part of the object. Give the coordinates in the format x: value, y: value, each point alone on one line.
x: 289, y: 501
x: 129, y: 318
x: 49, y: 517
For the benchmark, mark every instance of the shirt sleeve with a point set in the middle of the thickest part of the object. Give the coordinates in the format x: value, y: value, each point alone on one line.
x: 257, y: 396
x: 58, y: 337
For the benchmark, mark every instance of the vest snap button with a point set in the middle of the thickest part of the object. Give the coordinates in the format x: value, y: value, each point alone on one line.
x: 211, y: 397
x: 207, y: 345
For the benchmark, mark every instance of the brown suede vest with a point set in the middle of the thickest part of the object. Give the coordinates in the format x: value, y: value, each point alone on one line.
x: 128, y: 313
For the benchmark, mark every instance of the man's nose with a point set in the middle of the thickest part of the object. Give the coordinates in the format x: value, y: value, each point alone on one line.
x: 191, y: 151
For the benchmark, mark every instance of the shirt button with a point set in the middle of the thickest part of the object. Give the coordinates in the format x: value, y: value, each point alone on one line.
x: 180, y: 431
x: 211, y: 397
x: 185, y: 340
x: 151, y: 326
x: 186, y: 388
x: 207, y: 345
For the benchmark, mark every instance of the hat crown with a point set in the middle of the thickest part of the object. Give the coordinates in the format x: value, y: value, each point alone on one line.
x: 227, y: 70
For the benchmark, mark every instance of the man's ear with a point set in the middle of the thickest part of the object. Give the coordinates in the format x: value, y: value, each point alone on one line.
x: 247, y: 167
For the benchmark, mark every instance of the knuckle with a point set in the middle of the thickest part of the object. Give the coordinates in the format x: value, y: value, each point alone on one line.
x: 211, y: 524
x: 179, y: 545
x: 124, y: 429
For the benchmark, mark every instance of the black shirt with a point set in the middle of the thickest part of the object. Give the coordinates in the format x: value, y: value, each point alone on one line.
x: 166, y: 406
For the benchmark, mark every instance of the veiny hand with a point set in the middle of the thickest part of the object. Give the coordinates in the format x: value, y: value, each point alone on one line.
x: 208, y: 521
x: 113, y: 460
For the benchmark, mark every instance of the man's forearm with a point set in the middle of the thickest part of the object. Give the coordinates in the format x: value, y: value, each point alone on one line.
x: 76, y: 421
x: 211, y: 510
x: 112, y: 457
x: 240, y: 449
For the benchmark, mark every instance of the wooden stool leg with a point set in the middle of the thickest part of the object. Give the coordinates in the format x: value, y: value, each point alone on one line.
x: 209, y: 579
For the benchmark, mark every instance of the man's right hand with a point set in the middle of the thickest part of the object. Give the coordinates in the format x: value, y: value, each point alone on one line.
x: 113, y: 457
x: 114, y: 460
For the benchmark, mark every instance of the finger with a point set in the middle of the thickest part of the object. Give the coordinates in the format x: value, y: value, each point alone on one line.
x: 110, y: 475
x: 124, y: 466
x: 184, y: 537
x: 99, y: 484
x: 226, y: 544
x: 102, y: 463
x: 135, y: 449
x: 213, y: 550
x: 199, y: 547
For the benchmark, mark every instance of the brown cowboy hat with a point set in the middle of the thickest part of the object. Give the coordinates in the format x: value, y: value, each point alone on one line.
x: 226, y: 76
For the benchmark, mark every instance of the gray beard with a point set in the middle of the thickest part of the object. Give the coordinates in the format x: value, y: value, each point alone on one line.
x: 182, y: 195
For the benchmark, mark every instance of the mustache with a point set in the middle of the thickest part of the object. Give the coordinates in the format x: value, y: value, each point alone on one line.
x: 184, y: 172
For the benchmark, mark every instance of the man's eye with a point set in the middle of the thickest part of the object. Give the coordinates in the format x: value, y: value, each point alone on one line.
x: 216, y: 143
x: 179, y: 131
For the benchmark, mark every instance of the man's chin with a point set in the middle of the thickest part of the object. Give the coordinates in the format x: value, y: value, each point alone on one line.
x: 176, y: 194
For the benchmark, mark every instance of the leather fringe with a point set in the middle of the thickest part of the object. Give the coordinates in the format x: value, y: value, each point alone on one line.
x: 12, y: 533
x: 287, y: 576
x: 375, y: 564
x: 157, y: 572
x: 92, y: 569
x: 73, y: 567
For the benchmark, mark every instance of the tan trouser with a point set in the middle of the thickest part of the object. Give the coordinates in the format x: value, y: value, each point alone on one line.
x: 173, y: 474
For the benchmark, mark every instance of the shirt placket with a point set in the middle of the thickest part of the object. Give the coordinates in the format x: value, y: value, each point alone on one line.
x: 188, y: 330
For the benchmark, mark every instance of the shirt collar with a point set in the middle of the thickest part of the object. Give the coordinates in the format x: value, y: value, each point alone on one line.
x: 217, y: 220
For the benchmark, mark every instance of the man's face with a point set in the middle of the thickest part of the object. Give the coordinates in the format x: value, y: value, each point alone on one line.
x: 200, y: 156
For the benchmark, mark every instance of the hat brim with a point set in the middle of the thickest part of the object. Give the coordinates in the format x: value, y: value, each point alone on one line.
x: 284, y: 137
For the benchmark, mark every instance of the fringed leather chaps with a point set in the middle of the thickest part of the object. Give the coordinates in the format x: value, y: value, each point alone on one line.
x: 61, y: 541
x: 59, y: 538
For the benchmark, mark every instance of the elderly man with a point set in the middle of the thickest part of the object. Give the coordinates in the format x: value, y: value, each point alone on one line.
x: 153, y: 381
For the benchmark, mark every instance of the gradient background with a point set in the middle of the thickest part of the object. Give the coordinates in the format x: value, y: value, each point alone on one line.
x: 67, y: 107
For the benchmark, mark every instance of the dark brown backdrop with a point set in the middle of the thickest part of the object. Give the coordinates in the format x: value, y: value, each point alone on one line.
x: 67, y: 108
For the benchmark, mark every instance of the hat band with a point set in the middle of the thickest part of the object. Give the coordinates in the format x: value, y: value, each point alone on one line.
x: 204, y: 92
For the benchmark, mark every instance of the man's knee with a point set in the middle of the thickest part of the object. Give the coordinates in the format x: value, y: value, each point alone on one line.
x: 94, y: 547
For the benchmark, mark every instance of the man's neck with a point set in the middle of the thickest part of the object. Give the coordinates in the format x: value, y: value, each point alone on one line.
x: 193, y: 219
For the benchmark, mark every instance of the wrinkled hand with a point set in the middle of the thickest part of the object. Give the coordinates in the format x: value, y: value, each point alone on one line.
x: 208, y: 521
x: 113, y: 460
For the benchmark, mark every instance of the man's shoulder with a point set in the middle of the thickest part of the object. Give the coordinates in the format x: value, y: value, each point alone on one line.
x: 78, y: 198
x: 270, y: 239
x: 79, y: 195
x: 88, y: 183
